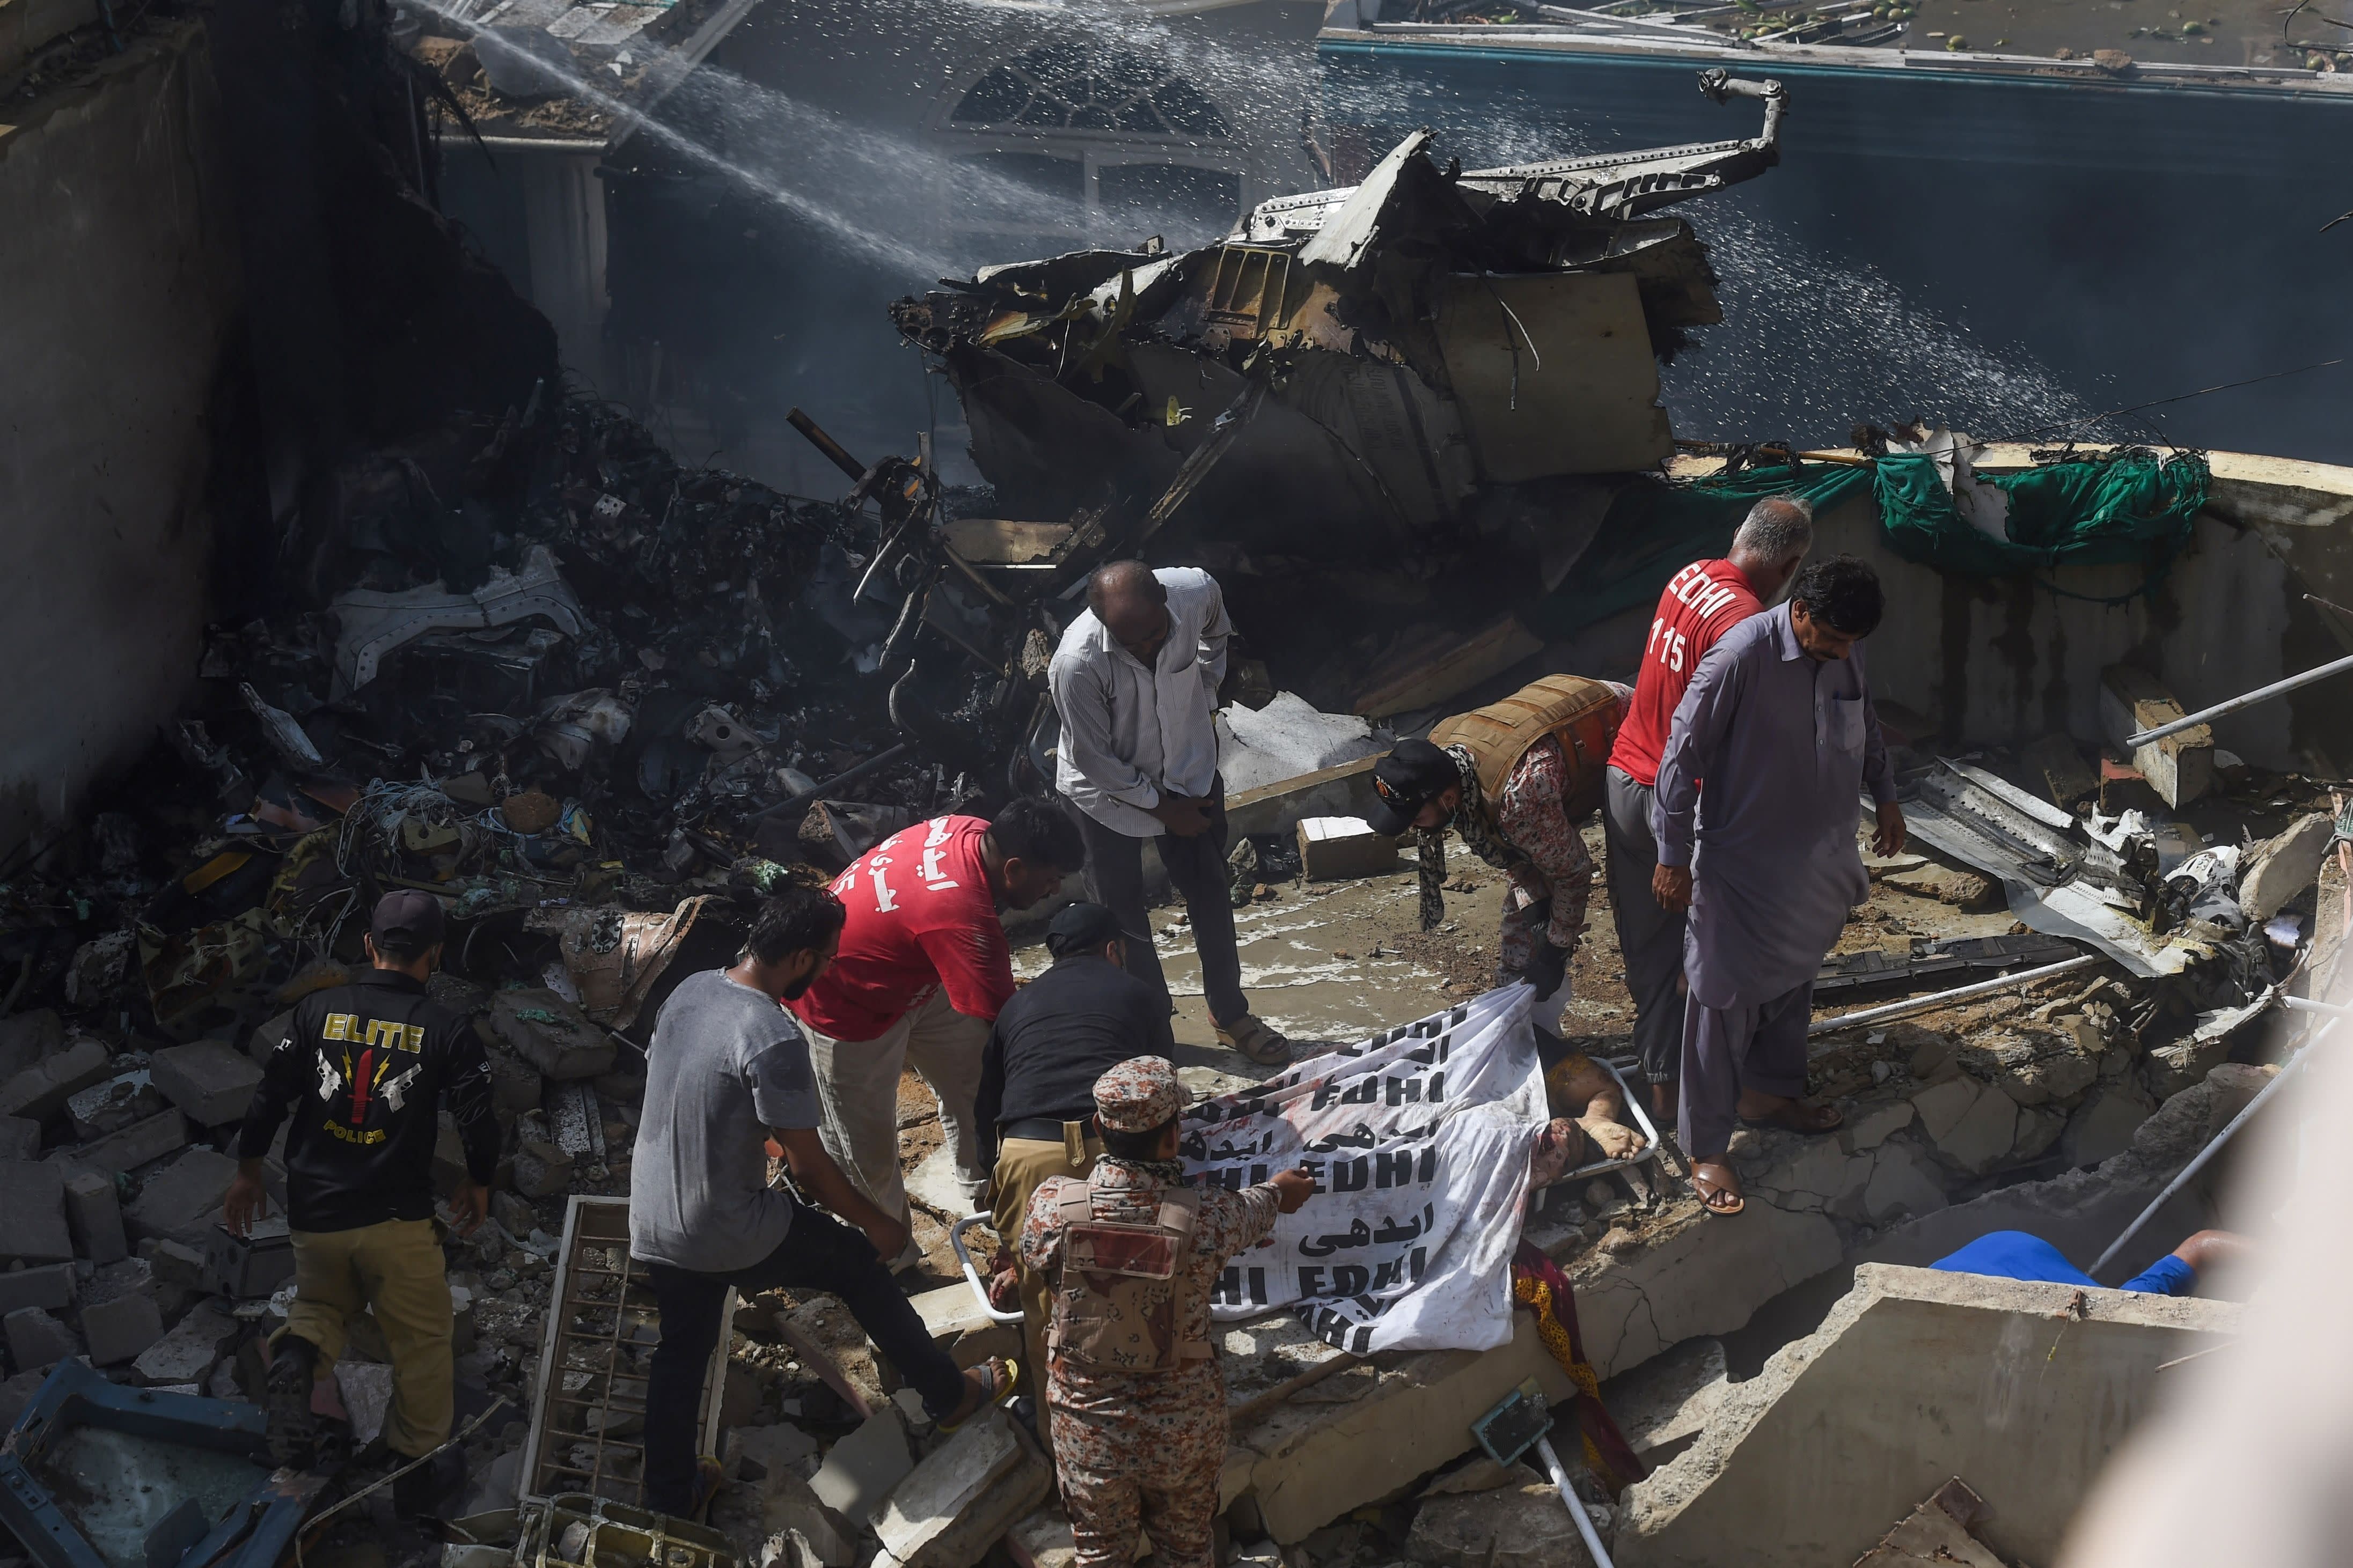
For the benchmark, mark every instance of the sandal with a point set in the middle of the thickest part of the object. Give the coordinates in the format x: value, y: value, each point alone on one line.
x: 1000, y: 1380
x: 1797, y: 1116
x: 1256, y: 1040
x: 1716, y: 1197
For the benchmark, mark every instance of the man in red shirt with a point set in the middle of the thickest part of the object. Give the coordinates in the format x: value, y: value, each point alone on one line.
x: 1703, y: 602
x: 922, y: 970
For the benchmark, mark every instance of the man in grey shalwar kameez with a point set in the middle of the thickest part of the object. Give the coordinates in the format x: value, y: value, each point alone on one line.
x: 1778, y: 723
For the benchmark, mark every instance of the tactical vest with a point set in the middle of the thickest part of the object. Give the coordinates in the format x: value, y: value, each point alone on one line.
x: 1127, y: 1291
x: 1582, y: 712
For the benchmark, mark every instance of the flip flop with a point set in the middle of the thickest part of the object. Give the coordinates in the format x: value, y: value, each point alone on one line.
x: 1797, y: 1116
x: 1712, y: 1193
x: 1004, y: 1374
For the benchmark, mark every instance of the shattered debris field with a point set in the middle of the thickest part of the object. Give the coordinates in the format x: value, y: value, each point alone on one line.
x: 368, y: 586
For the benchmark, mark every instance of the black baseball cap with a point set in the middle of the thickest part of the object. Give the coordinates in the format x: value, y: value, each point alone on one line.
x: 1405, y: 780
x: 407, y: 921
x: 1080, y: 928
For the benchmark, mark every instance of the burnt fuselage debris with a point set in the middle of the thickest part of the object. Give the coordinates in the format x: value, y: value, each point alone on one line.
x: 1419, y: 391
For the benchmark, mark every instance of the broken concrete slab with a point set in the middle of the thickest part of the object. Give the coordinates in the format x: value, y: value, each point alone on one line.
x: 540, y: 1169
x: 33, y: 1197
x: 49, y: 1286
x: 36, y: 1340
x: 20, y: 1138
x: 129, y: 1147
x: 1306, y: 1464
x: 1524, y: 1526
x: 208, y: 1080
x: 94, y: 1216
x: 267, y: 1036
x: 551, y: 1034
x: 189, y: 1350
x: 790, y: 1505
x: 2282, y: 867
x: 1875, y: 1126
x: 1903, y: 1184
x: 1914, y: 1377
x: 952, y: 1508
x: 1972, y: 1125
x: 861, y: 1469
x: 25, y: 1038
x: 113, y: 1103
x: 1663, y: 1405
x: 39, y: 1091
x: 181, y: 1200
x: 2103, y: 1125
x: 122, y: 1328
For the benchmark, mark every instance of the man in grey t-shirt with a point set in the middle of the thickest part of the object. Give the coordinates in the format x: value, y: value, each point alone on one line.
x: 727, y: 1071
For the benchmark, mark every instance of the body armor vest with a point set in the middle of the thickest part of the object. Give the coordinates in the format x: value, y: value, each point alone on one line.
x: 1582, y: 712
x: 1126, y: 1291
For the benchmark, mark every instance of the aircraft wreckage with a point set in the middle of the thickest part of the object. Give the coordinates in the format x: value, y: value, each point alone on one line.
x: 1389, y: 363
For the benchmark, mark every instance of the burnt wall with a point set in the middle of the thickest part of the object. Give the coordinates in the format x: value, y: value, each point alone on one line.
x: 117, y: 260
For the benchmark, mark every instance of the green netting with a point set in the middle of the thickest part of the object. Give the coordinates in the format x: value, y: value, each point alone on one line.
x: 2132, y: 507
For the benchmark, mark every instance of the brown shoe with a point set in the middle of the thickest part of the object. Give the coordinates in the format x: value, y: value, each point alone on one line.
x: 1256, y: 1040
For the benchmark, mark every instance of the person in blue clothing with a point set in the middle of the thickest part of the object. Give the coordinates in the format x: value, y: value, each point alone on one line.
x: 2015, y: 1254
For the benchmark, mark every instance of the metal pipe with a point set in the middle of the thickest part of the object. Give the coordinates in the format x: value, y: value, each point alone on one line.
x: 1576, y: 1509
x: 2307, y: 1005
x: 1959, y: 994
x: 2207, y: 1154
x: 882, y: 759
x: 825, y: 443
x: 2261, y: 694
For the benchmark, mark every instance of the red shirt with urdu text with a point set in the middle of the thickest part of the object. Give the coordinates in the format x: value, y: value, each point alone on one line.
x: 921, y: 914
x: 1703, y: 602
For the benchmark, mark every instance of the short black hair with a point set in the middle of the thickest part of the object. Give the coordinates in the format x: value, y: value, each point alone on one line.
x: 794, y: 919
x: 1040, y: 833
x: 1843, y: 593
x: 1145, y: 1145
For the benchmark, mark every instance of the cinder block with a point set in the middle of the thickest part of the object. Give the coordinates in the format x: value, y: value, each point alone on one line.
x: 50, y: 1286
x: 39, y: 1091
x: 94, y: 1216
x: 241, y: 1267
x: 38, y: 1339
x: 32, y: 1213
x: 174, y: 1262
x: 208, y: 1080
x: 25, y: 1038
x: 132, y: 1147
x: 121, y: 1329
x: 183, y: 1200
x: 1334, y: 848
x: 189, y: 1350
x: 20, y: 1138
x: 268, y: 1035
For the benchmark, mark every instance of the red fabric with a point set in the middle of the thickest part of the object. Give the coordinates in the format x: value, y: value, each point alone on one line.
x: 1705, y: 600
x: 921, y: 914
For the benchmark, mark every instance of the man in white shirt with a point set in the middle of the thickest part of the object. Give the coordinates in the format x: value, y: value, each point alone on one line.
x: 1135, y: 686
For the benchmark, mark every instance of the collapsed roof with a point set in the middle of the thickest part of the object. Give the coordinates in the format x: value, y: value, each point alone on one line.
x: 1393, y: 351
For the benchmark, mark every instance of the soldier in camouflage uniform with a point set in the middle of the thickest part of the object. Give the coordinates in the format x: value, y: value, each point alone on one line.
x: 1137, y: 1404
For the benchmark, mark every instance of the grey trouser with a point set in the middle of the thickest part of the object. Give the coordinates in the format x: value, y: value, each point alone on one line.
x: 1727, y: 1049
x: 1196, y: 868
x: 858, y: 1092
x: 1650, y: 939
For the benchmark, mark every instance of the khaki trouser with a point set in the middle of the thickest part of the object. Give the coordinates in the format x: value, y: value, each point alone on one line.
x: 858, y: 1090
x: 1023, y: 1165
x: 395, y: 1268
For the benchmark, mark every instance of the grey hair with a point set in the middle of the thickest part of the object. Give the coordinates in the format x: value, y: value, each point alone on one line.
x: 1777, y: 529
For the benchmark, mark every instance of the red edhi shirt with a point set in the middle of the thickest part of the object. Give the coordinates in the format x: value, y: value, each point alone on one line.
x: 1703, y: 602
x: 921, y: 915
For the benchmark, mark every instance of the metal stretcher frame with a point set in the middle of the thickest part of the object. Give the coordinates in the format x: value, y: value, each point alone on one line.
x: 581, y: 1317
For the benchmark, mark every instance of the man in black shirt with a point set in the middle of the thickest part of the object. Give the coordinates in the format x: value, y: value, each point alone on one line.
x: 366, y: 1069
x: 1036, y: 1106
